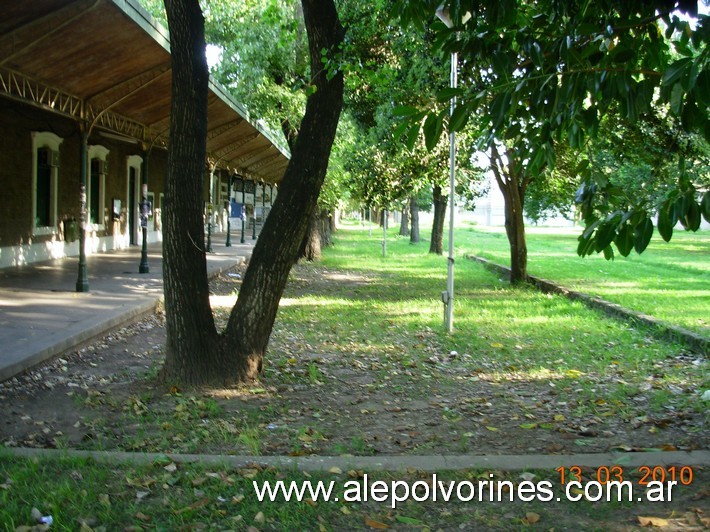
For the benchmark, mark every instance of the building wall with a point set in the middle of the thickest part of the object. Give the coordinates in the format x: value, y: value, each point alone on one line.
x: 20, y: 242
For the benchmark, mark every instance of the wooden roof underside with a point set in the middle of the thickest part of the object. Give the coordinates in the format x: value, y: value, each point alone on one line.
x: 109, y: 61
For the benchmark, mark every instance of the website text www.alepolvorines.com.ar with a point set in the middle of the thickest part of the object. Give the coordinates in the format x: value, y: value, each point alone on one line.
x: 433, y: 489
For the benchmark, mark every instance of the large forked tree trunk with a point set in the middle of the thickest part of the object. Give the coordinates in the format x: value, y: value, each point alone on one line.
x: 253, y: 316
x: 195, y: 353
x: 414, y: 220
x: 512, y: 184
x: 192, y: 353
x: 437, y: 229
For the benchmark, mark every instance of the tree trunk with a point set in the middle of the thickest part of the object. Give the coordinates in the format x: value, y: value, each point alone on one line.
x: 515, y: 229
x: 404, y: 222
x: 192, y: 354
x: 195, y: 353
x: 513, y: 183
x: 312, y: 241
x: 414, y: 217
x: 437, y: 229
x: 252, y: 318
x: 328, y: 224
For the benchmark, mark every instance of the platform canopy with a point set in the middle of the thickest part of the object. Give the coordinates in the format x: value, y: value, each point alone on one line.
x: 108, y: 62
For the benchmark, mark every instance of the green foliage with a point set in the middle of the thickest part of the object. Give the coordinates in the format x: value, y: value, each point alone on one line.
x: 650, y: 166
x: 538, y: 74
x: 264, y: 56
x: 382, y: 69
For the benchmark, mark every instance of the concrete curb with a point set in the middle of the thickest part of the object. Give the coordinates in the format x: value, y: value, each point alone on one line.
x: 431, y: 463
x: 694, y: 341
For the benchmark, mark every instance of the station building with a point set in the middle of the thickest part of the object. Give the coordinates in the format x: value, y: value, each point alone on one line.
x: 90, y: 80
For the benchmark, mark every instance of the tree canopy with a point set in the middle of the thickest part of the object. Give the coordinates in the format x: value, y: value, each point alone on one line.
x: 537, y: 74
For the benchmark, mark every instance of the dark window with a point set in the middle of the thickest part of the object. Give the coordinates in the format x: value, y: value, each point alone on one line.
x: 43, y: 200
x: 95, y: 192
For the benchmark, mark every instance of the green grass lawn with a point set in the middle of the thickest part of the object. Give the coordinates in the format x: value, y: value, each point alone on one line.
x: 81, y: 494
x: 670, y: 281
x: 385, y: 314
x: 532, y: 328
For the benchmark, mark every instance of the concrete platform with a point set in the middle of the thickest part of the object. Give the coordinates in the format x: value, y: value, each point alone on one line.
x: 42, y: 315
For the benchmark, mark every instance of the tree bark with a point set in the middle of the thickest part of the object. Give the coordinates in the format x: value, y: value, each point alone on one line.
x: 335, y: 221
x: 404, y: 222
x: 195, y: 353
x: 512, y: 184
x: 312, y: 241
x: 251, y: 320
x: 192, y: 354
x: 328, y: 227
x: 437, y: 229
x: 414, y: 220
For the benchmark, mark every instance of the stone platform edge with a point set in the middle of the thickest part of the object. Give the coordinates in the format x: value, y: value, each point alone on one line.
x: 429, y: 463
x: 694, y: 341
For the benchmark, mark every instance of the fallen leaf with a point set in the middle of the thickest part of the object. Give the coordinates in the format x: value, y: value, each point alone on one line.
x: 375, y: 524
x: 652, y: 521
x: 335, y: 470
x: 143, y: 517
x: 248, y: 473
x: 408, y: 520
x: 194, y: 506
x: 528, y: 426
x: 493, y: 429
x: 260, y: 518
x: 531, y: 518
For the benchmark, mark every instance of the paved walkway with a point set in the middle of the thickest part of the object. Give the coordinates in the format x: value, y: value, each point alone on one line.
x: 41, y: 314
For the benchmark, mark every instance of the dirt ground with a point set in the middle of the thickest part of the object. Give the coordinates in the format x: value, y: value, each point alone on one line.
x: 104, y: 396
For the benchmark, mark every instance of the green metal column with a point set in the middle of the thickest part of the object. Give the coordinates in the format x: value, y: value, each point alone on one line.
x: 253, y: 234
x: 144, y: 267
x: 209, y: 212
x: 263, y: 203
x: 82, y: 280
x: 243, y: 213
x: 228, y: 243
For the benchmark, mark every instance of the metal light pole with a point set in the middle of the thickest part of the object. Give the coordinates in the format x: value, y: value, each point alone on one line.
x: 448, y: 296
x: 384, y: 233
